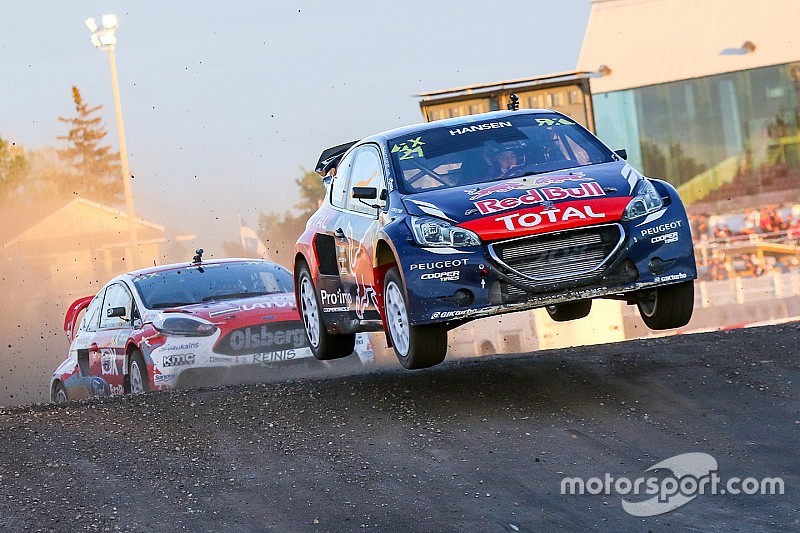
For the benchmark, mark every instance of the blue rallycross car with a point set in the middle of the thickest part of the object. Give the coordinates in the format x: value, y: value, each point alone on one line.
x: 426, y: 227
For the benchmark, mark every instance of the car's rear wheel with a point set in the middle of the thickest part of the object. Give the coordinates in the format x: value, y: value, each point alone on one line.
x: 667, y: 307
x: 60, y: 393
x: 325, y: 346
x: 137, y: 374
x: 415, y: 346
x: 569, y: 311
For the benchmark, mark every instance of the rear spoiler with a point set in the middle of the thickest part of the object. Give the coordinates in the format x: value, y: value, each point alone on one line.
x: 330, y: 158
x: 72, y: 315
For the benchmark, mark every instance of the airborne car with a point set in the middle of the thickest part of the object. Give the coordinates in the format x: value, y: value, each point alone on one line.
x: 156, y: 328
x: 426, y: 227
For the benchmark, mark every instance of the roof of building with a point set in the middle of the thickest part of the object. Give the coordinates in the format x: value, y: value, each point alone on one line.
x: 46, y: 217
x: 545, y: 80
x: 648, y: 42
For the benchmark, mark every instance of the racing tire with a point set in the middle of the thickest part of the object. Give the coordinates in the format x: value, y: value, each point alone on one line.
x: 667, y: 307
x: 569, y: 311
x: 59, y: 393
x: 415, y: 346
x: 138, y: 379
x: 324, y: 345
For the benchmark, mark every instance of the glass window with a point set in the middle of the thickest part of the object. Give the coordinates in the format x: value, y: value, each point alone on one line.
x: 575, y: 97
x: 456, y: 111
x: 476, y: 152
x: 117, y: 295
x: 339, y: 185
x: 367, y: 172
x: 90, y: 318
x: 212, y: 282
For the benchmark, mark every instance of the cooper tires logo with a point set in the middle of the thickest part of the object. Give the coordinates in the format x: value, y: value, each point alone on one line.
x: 666, y: 238
x: 452, y: 275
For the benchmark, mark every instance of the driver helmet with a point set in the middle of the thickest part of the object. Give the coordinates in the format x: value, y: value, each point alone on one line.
x: 507, y: 155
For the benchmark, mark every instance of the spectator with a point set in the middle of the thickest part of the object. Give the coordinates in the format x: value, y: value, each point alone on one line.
x: 749, y: 267
x: 719, y: 269
x: 749, y: 225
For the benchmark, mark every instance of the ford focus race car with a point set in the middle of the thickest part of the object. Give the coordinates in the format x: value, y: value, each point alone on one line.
x: 426, y: 227
x: 152, y: 328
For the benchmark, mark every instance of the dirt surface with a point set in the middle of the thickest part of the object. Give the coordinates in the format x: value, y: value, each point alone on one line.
x: 471, y: 445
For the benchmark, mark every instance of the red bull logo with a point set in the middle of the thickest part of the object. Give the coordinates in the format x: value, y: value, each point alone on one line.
x: 540, y: 181
x: 497, y: 188
x: 546, y: 195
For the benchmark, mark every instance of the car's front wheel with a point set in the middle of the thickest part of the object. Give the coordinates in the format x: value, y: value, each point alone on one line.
x: 60, y: 393
x: 324, y: 345
x: 415, y: 346
x: 667, y: 307
x: 137, y: 374
x: 569, y: 311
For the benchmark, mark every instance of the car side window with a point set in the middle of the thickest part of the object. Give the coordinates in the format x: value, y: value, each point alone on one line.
x: 367, y: 172
x: 117, y: 296
x: 339, y: 187
x: 89, y: 321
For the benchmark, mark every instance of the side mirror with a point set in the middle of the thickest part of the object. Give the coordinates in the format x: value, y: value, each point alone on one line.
x: 365, y: 193
x: 622, y: 152
x: 114, y: 312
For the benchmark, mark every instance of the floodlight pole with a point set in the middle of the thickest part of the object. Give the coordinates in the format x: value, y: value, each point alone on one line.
x: 123, y: 160
x: 105, y: 39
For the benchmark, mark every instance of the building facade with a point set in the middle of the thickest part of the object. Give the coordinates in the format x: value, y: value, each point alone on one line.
x: 566, y: 92
x: 703, y: 94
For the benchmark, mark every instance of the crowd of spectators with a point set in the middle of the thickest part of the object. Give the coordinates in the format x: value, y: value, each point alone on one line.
x: 768, y: 223
x: 766, y: 220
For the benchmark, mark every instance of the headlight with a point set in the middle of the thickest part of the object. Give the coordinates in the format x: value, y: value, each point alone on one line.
x: 183, y: 326
x: 646, y: 201
x: 436, y: 232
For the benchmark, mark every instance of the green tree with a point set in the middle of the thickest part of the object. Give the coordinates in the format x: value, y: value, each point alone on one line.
x: 14, y: 169
x: 94, y: 169
x: 279, y: 231
x: 311, y: 192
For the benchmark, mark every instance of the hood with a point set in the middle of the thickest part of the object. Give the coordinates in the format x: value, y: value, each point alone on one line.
x: 533, y: 204
x: 256, y: 309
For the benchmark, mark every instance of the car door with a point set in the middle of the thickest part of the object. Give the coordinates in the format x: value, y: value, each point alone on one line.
x: 356, y: 233
x: 107, y: 356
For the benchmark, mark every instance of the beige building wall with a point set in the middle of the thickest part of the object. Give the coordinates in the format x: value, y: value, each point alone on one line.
x: 647, y: 42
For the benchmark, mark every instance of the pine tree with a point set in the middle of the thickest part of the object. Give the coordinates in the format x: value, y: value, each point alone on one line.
x: 94, y: 169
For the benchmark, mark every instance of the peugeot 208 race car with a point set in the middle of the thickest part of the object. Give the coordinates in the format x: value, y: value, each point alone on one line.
x: 426, y: 227
x: 151, y: 328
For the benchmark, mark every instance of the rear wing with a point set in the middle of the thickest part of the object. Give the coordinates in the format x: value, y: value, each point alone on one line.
x: 72, y: 314
x: 331, y: 157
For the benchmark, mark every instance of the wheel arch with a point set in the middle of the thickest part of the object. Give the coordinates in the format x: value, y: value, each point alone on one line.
x: 385, y: 258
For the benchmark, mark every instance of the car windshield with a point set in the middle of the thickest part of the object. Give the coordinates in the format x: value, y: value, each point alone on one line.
x: 211, y: 282
x: 479, y: 151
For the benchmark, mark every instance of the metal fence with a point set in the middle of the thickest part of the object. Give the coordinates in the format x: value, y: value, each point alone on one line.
x: 743, y: 290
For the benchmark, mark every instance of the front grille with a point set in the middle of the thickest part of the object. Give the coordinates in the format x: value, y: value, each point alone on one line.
x: 263, y: 338
x: 565, y: 257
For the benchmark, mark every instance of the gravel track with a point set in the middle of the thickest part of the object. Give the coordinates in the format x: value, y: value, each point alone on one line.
x: 471, y: 445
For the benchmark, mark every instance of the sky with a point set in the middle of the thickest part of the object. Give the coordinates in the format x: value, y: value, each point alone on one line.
x: 223, y: 103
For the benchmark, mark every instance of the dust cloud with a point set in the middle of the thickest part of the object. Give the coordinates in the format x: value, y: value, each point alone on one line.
x: 53, y: 251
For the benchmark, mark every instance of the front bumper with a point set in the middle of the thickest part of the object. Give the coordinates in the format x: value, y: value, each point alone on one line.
x: 179, y: 355
x: 609, y: 261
